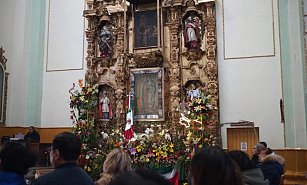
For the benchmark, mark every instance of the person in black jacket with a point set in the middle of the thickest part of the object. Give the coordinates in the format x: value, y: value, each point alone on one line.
x: 32, y: 136
x: 65, y: 151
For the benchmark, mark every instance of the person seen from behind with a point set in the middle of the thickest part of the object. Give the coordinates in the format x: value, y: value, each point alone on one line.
x: 65, y: 151
x: 117, y: 162
x: 15, y: 160
x: 251, y: 175
x: 212, y: 166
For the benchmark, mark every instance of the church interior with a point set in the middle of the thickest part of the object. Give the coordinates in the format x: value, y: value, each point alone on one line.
x: 230, y: 73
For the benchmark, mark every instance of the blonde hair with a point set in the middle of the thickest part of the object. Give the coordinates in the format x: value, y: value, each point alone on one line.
x: 117, y: 162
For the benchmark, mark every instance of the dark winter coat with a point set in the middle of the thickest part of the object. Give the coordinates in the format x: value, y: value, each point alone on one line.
x: 272, y: 168
x: 65, y: 174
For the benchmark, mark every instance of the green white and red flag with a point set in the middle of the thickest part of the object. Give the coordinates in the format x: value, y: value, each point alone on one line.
x: 129, y: 133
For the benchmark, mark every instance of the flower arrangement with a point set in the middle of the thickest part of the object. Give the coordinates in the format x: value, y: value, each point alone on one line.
x: 152, y: 148
x: 197, y: 121
x: 156, y: 148
x: 199, y: 104
x: 83, y: 98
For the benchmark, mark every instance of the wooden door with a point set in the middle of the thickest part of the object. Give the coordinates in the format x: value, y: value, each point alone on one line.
x: 241, y: 136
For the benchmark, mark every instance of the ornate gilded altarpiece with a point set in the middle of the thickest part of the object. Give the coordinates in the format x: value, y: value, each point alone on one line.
x: 132, y: 41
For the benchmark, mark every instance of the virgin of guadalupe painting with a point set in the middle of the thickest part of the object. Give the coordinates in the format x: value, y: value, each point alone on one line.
x: 147, y: 94
x: 192, y: 32
x: 145, y: 29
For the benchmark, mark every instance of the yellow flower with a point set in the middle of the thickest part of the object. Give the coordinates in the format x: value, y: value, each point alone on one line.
x: 139, y: 148
x: 147, y: 159
x: 164, y: 154
x: 171, y: 145
x: 171, y: 150
x: 89, y: 169
x: 198, y: 100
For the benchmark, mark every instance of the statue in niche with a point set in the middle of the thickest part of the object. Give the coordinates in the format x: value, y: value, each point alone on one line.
x: 193, y: 92
x: 105, y: 106
x: 105, y: 38
x: 192, y: 33
x: 119, y: 102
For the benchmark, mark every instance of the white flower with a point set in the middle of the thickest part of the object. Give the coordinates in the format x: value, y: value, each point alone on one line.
x: 87, y: 156
x: 133, y: 139
x: 167, y: 136
x: 149, y: 131
x: 104, y: 135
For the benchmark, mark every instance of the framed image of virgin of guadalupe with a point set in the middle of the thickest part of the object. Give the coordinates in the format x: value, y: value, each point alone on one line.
x: 147, y: 89
x: 145, y: 29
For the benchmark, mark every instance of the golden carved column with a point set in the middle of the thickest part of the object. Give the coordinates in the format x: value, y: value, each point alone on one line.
x: 173, y: 23
x: 90, y: 15
x: 120, y: 74
x: 211, y: 67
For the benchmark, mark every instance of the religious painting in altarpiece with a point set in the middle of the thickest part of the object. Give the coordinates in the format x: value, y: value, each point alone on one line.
x: 147, y: 94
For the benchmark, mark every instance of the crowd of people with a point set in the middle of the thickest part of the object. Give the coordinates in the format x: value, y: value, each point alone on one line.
x: 210, y: 165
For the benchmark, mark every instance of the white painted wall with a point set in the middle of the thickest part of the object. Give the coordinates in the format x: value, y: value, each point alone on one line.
x: 63, y: 52
x: 64, y: 60
x: 249, y: 66
x: 14, y: 38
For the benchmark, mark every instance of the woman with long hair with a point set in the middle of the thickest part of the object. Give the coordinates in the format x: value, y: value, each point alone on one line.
x: 117, y: 162
x: 212, y: 166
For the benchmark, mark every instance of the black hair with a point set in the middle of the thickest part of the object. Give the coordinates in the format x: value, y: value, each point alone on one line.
x: 140, y: 176
x: 264, y: 144
x: 16, y: 157
x: 211, y: 165
x: 242, y: 160
x: 68, y: 145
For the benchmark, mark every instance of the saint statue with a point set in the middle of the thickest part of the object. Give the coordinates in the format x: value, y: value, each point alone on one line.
x: 105, y: 42
x: 105, y: 107
x: 192, y: 33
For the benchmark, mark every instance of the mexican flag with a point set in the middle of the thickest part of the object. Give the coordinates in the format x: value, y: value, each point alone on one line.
x: 128, y: 133
x: 172, y: 177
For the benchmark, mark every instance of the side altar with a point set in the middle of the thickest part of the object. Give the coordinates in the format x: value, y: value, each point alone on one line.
x: 161, y: 57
